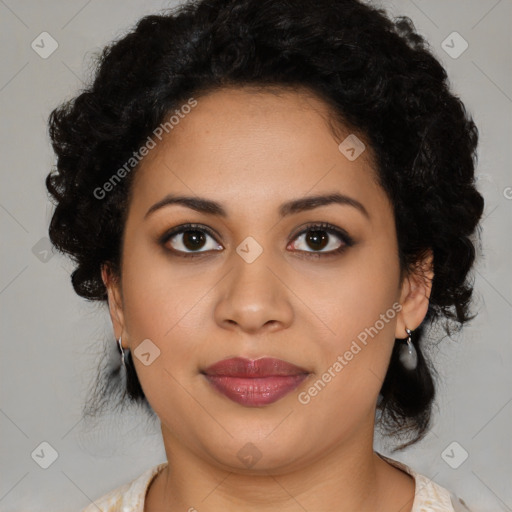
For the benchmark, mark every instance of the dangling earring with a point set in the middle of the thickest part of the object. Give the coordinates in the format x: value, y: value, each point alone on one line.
x: 408, y: 355
x: 122, y: 351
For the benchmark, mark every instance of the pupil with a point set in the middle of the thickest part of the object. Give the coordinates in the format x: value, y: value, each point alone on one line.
x: 317, y: 238
x: 192, y: 239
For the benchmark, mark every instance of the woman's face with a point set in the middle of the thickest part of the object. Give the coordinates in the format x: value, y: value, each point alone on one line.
x: 255, y: 283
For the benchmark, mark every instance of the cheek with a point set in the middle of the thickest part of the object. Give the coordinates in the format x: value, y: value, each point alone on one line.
x: 164, y: 302
x: 351, y: 296
x: 360, y: 314
x: 158, y: 291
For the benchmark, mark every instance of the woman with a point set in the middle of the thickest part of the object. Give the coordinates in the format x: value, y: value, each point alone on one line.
x: 275, y: 199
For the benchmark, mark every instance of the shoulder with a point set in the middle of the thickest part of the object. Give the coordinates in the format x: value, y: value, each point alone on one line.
x: 128, y: 497
x: 430, y: 496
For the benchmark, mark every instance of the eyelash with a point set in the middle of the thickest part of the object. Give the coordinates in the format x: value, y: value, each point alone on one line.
x: 322, y: 226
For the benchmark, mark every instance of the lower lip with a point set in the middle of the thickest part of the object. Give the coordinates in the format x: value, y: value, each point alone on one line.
x: 257, y: 391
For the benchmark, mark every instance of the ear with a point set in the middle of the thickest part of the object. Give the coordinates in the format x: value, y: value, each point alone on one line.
x: 114, y: 300
x: 415, y: 295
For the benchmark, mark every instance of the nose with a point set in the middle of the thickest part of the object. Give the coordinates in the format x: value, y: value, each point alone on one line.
x: 254, y: 297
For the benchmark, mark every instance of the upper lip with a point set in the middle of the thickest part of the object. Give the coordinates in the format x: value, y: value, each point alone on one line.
x: 263, y: 367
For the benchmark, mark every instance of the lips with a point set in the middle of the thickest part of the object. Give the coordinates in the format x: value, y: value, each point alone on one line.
x: 264, y: 367
x: 254, y: 383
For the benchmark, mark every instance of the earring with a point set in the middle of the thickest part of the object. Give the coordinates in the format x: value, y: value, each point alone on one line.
x: 122, y: 351
x: 408, y: 355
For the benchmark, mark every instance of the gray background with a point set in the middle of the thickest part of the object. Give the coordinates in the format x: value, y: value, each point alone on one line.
x: 51, y: 338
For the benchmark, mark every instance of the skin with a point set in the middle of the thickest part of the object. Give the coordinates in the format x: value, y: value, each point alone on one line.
x: 251, y: 151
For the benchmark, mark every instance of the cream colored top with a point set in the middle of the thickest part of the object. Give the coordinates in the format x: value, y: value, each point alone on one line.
x: 130, y: 497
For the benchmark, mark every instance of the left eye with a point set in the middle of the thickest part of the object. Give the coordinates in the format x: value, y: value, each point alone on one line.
x: 320, y: 237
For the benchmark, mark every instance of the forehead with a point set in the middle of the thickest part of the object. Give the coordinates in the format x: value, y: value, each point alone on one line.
x: 254, y: 146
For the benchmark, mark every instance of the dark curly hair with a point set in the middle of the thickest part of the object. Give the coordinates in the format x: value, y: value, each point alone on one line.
x: 378, y: 77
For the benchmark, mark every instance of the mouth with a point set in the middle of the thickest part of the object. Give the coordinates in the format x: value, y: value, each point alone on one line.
x: 254, y: 383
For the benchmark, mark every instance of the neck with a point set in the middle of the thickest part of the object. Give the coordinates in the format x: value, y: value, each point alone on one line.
x: 345, y: 478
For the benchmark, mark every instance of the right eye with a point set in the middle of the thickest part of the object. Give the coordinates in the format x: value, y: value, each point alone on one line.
x: 191, y: 238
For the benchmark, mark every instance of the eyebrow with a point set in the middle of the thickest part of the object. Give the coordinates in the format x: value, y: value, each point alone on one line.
x: 209, y: 207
